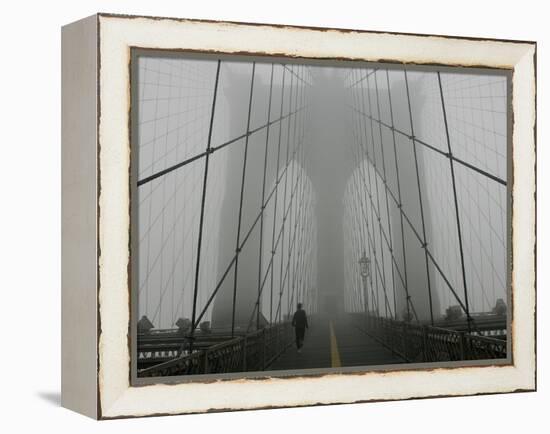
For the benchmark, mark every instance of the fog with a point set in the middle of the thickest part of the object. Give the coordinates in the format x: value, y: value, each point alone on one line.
x: 306, y: 173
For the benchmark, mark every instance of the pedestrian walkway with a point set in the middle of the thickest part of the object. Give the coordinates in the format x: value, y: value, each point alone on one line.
x: 333, y: 343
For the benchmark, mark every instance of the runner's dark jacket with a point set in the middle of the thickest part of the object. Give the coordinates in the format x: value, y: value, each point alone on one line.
x: 299, y: 320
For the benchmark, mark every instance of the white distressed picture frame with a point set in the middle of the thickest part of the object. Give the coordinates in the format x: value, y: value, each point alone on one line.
x: 96, y: 216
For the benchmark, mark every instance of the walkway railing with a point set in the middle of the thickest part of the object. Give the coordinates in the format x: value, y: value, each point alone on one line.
x: 423, y: 343
x: 252, y: 352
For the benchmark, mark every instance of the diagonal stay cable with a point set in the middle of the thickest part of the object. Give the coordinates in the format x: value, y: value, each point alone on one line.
x: 435, y: 149
x: 213, y: 149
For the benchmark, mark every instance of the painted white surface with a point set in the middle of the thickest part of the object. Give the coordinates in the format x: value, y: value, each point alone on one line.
x: 116, y: 397
x: 31, y: 230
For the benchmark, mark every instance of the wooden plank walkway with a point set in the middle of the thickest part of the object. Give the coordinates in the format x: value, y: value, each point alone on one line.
x: 334, y: 342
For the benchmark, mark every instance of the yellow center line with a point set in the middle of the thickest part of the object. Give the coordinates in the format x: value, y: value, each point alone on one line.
x: 334, y: 354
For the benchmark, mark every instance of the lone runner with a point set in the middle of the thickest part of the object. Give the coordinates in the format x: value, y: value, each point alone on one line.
x: 299, y: 322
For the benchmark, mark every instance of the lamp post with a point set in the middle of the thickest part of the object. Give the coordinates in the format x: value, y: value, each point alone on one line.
x: 364, y: 263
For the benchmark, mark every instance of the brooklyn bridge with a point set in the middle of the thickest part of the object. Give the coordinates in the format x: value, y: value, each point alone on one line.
x: 375, y: 195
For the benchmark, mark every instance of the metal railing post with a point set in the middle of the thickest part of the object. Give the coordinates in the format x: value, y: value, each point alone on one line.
x: 276, y: 343
x: 404, y: 340
x: 263, y: 348
x: 205, y: 362
x: 462, y: 345
x: 244, y: 343
x: 425, y: 343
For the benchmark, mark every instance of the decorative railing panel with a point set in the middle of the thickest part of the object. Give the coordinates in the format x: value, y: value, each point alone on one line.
x: 424, y: 343
x: 253, y: 352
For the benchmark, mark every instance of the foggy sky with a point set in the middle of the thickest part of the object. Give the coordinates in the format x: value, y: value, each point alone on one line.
x: 175, y: 99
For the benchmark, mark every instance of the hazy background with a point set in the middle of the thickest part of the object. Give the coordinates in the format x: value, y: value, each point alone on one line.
x: 334, y: 179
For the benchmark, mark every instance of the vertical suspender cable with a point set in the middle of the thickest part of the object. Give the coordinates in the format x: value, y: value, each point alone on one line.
x: 203, y: 201
x: 458, y: 228
x: 238, y: 242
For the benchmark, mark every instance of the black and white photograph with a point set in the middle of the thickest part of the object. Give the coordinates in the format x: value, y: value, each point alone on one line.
x: 298, y: 217
x: 275, y: 217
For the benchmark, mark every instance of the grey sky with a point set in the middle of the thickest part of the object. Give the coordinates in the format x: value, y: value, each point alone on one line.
x: 174, y: 100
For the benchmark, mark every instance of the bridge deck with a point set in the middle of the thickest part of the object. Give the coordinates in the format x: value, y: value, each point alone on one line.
x: 334, y: 342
